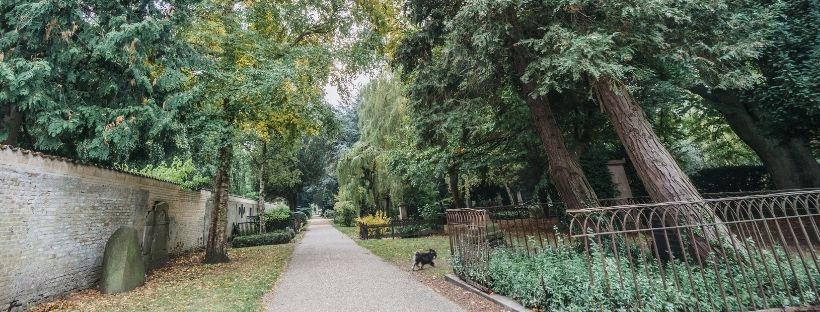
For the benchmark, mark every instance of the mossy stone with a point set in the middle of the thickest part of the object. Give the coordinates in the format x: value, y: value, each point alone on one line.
x: 123, y: 269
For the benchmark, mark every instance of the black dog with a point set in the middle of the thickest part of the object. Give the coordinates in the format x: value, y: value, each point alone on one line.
x: 422, y: 258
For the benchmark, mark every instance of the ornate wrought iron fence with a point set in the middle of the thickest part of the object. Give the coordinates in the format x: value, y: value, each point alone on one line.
x: 739, y: 253
x: 245, y: 228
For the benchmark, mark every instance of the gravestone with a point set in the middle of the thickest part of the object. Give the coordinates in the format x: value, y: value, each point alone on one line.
x: 155, y: 236
x: 123, y: 269
x: 619, y: 179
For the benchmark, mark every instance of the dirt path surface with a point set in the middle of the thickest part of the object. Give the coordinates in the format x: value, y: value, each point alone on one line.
x: 330, y: 272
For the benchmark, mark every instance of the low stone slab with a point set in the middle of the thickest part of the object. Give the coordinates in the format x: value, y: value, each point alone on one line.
x: 504, y: 301
x: 123, y: 269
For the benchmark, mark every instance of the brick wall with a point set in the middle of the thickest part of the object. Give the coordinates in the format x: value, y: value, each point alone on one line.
x: 57, y: 214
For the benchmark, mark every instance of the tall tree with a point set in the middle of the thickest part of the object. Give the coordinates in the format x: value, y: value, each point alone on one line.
x: 454, y: 48
x: 270, y: 61
x: 779, y: 118
x: 94, y: 80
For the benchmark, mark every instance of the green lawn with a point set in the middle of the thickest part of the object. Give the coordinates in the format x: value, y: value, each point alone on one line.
x: 187, y: 285
x: 400, y: 251
x: 352, y: 231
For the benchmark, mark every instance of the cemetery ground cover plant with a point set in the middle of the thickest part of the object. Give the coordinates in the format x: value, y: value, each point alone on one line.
x: 557, y: 279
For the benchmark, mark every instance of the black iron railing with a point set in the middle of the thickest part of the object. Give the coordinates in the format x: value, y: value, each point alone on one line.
x: 740, y: 253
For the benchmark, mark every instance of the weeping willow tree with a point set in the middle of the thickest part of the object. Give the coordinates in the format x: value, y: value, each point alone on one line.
x: 365, y: 176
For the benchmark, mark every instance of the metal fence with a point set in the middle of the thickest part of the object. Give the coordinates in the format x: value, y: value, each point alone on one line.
x: 401, y: 229
x: 245, y: 228
x: 739, y: 253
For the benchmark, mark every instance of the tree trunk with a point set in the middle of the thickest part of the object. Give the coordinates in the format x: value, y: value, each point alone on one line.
x: 662, y: 177
x: 565, y: 173
x: 788, y: 160
x: 260, y: 202
x: 216, y: 251
x: 293, y: 198
x: 454, y: 191
x: 12, y: 121
x: 509, y: 194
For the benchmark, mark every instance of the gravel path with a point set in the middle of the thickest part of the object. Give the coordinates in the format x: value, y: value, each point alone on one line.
x: 330, y: 272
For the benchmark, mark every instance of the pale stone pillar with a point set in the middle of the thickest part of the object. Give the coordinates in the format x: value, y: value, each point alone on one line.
x: 403, y: 212
x: 616, y: 168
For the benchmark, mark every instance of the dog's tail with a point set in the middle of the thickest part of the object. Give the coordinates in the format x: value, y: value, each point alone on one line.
x: 415, y: 259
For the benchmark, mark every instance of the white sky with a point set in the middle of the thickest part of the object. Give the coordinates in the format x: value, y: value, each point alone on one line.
x: 335, y: 99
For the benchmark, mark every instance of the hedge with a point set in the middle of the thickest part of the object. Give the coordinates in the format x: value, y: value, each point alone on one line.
x: 277, y: 219
x: 272, y: 238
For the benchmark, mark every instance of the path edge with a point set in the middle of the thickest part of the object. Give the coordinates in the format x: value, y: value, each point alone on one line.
x: 503, y: 301
x: 269, y: 294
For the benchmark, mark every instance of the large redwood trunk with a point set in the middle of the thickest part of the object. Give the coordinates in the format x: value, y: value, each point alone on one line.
x: 565, y: 173
x: 661, y: 176
x: 788, y: 160
x: 216, y: 251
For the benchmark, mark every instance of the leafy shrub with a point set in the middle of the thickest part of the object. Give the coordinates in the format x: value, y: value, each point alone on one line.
x: 345, y: 213
x: 307, y: 211
x: 413, y: 230
x: 277, y: 219
x: 271, y: 238
x: 432, y: 212
x: 377, y: 224
x: 732, y: 179
x: 329, y: 214
x: 558, y: 279
x: 182, y: 172
x: 299, y: 218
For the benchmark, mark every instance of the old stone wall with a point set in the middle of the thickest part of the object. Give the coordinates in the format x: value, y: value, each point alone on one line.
x: 57, y: 214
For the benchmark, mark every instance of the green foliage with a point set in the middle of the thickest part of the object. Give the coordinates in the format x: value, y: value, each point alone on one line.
x: 300, y: 218
x: 594, y: 164
x: 732, y: 179
x: 96, y: 80
x: 329, y: 214
x: 270, y: 238
x: 431, y: 211
x: 790, y: 94
x: 345, y: 213
x: 308, y: 212
x: 182, y: 172
x: 365, y: 173
x: 558, y: 279
x: 277, y: 218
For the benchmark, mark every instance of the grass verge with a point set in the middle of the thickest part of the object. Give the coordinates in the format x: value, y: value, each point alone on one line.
x: 186, y: 284
x: 352, y: 231
x: 400, y: 251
